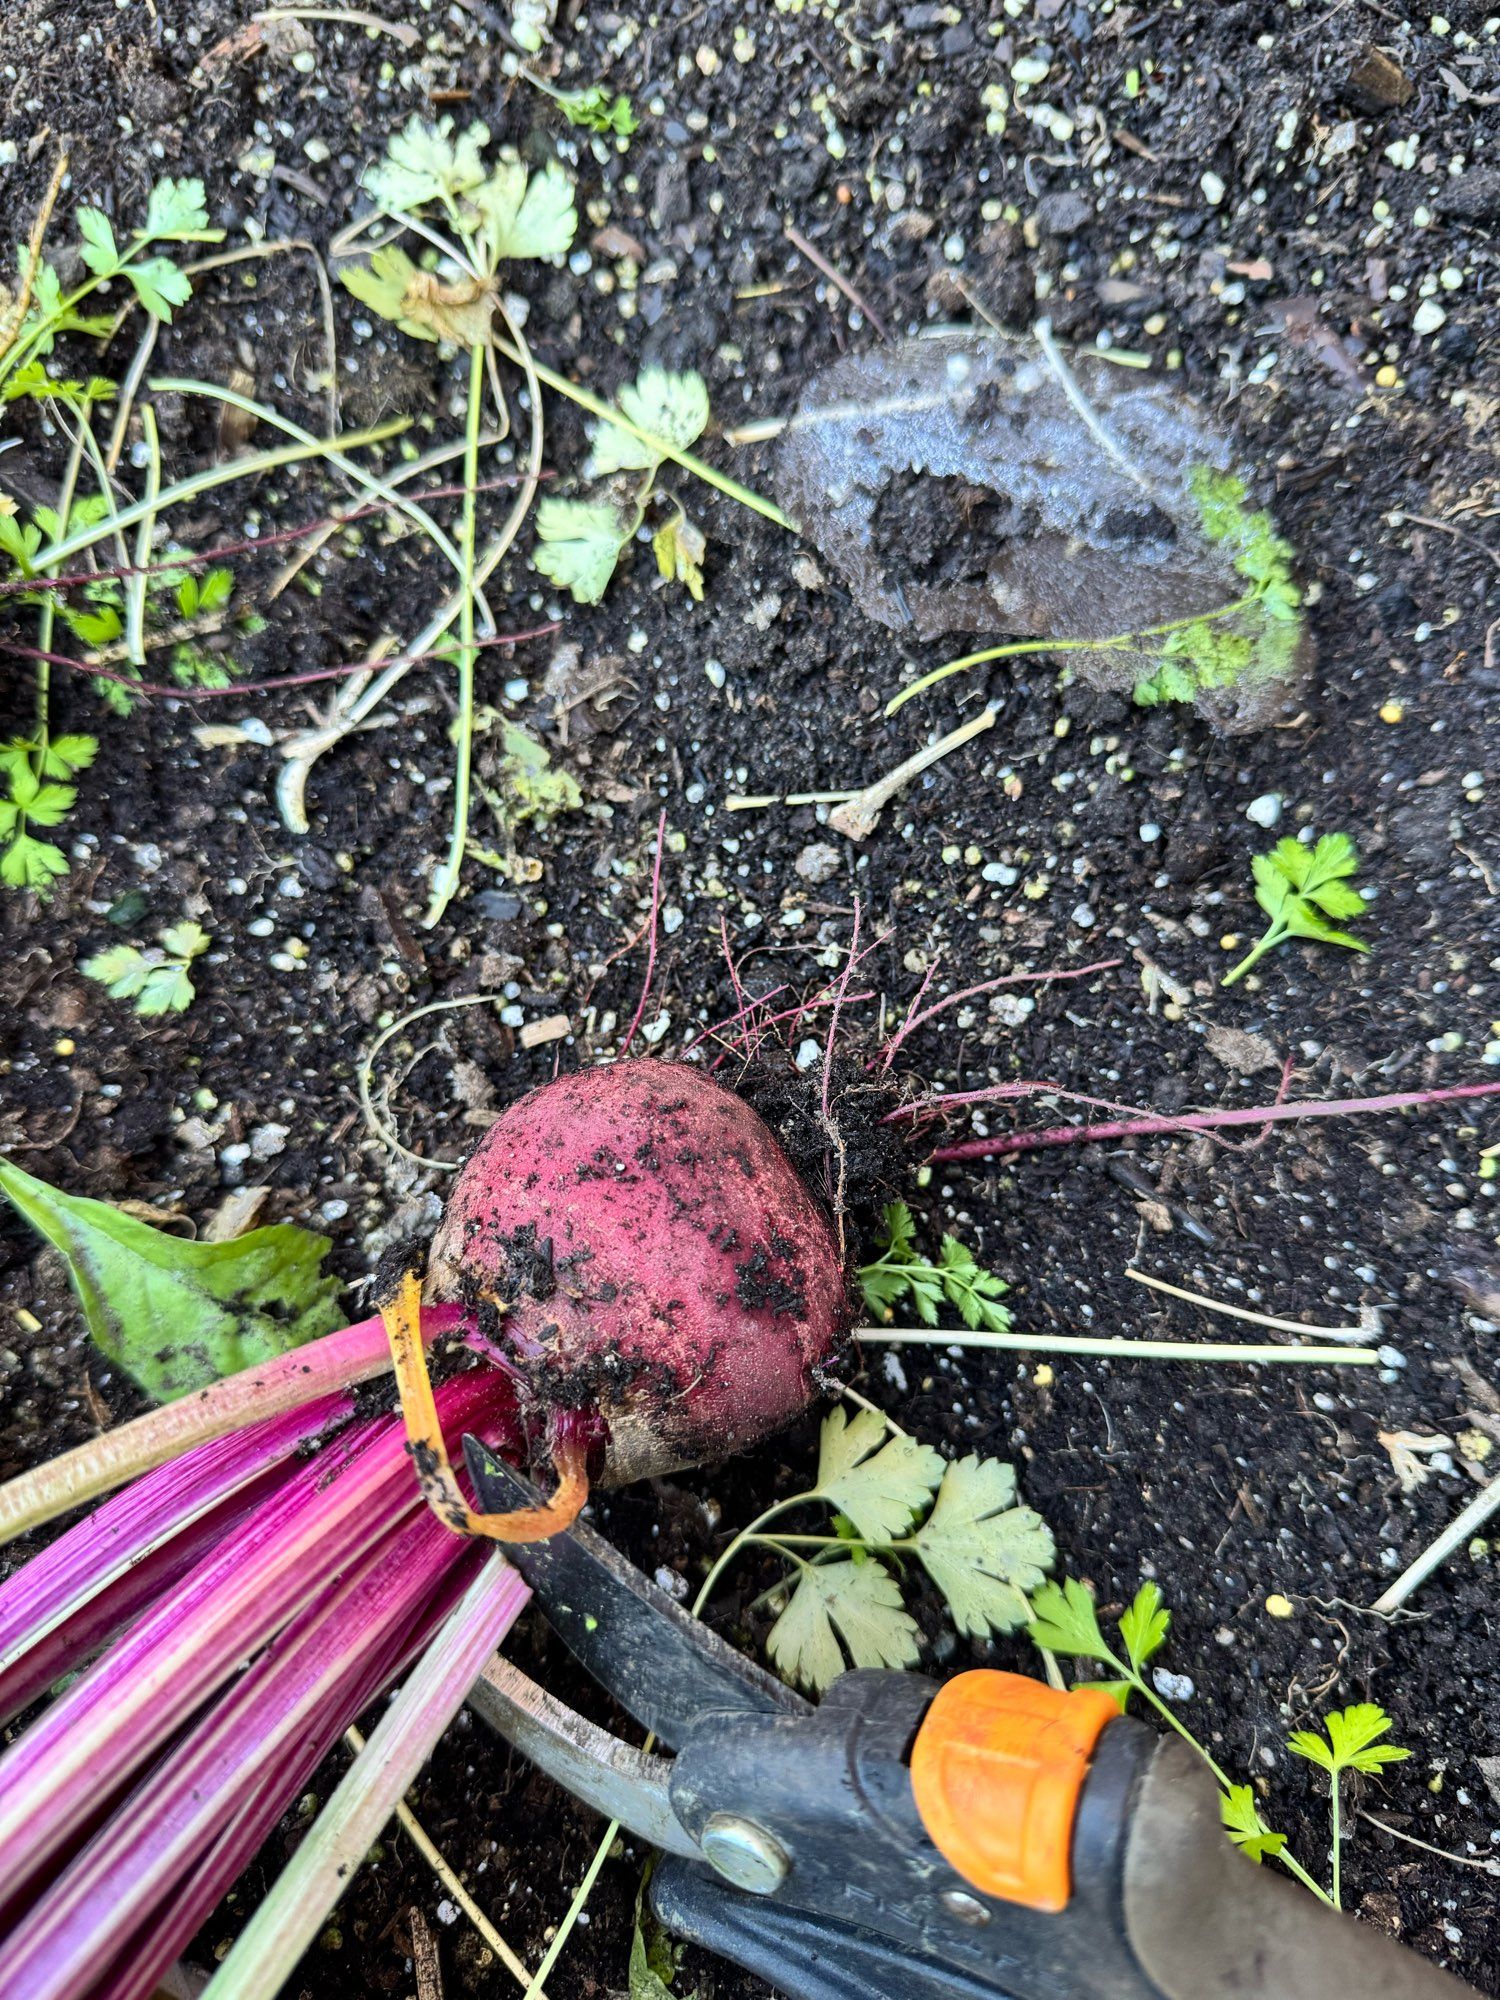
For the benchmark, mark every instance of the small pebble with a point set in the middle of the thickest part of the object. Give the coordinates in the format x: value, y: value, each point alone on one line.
x: 1266, y: 810
x: 808, y: 1051
x: 1173, y: 1687
x: 818, y: 862
x: 1278, y: 1606
x: 1213, y: 188
x: 1428, y: 317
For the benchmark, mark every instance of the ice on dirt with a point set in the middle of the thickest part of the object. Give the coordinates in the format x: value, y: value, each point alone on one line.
x: 965, y: 484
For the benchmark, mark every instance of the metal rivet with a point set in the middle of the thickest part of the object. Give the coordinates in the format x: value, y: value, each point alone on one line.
x: 744, y: 1853
x: 968, y: 1909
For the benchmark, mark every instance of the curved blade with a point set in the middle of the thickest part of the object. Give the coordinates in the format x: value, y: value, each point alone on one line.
x: 667, y: 1668
x: 616, y: 1780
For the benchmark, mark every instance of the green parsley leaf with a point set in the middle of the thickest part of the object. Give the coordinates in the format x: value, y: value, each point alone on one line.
x: 177, y: 1315
x: 1063, y: 1620
x: 671, y: 407
x: 1300, y: 888
x: 30, y: 864
x: 1244, y: 1825
x: 878, y: 1478
x: 177, y: 212
x: 98, y: 249
x: 156, y: 977
x: 425, y: 163
x: 579, y: 542
x: 1352, y: 1741
x: 984, y: 1553
x: 596, y: 111
x: 1145, y: 1625
x: 383, y: 284
x: 524, y: 214
x: 159, y: 285
x: 858, y: 1603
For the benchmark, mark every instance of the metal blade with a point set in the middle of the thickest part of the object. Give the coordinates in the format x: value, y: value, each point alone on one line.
x: 616, y: 1780
x: 667, y: 1668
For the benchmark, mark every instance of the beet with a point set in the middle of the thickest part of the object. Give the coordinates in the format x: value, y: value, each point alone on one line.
x: 660, y: 1264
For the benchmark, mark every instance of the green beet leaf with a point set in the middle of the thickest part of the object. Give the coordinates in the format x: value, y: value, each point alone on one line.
x: 176, y: 1315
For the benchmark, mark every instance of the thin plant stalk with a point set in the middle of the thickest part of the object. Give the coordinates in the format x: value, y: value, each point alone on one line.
x: 445, y: 882
x: 1117, y: 642
x: 216, y: 475
x: 597, y: 407
x: 328, y: 450
x: 1465, y: 1524
x: 47, y: 619
x: 1127, y: 1350
x: 135, y: 586
x: 1206, y: 1121
x: 287, y: 1921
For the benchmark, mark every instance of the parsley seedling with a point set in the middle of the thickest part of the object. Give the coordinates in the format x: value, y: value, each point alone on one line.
x: 900, y: 1272
x: 1351, y: 1743
x: 1300, y: 888
x: 35, y: 773
x: 155, y: 978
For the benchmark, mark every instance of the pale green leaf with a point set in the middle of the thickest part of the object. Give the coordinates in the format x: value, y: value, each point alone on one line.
x: 579, y: 544
x: 858, y: 1603
x: 1353, y: 1740
x: 176, y: 1315
x: 1063, y: 1620
x: 596, y: 111
x: 424, y: 163
x: 670, y: 407
x: 983, y: 1552
x: 186, y: 940
x: 98, y: 249
x: 168, y: 990
x: 178, y: 212
x: 879, y: 1479
x: 524, y: 214
x: 159, y: 285
x: 31, y: 864
x: 382, y: 285
x: 1244, y: 1825
x: 1145, y: 1625
x: 122, y: 969
x: 50, y: 804
x: 66, y: 754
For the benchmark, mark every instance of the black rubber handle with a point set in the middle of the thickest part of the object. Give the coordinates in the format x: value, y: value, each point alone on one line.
x: 1206, y: 1924
x: 801, y: 1956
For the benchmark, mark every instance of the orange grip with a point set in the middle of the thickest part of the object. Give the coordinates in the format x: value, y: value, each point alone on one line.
x: 997, y: 1770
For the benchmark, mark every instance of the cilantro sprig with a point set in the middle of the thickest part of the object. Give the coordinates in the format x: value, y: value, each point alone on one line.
x: 1301, y: 889
x: 900, y: 1273
x: 893, y: 1501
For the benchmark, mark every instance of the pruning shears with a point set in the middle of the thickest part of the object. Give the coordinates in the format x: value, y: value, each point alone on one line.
x: 990, y: 1838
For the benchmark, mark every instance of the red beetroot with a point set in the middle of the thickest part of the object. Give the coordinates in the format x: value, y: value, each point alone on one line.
x: 659, y: 1261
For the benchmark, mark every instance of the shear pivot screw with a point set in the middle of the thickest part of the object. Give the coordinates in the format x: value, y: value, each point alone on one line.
x: 966, y: 1908
x: 744, y: 1853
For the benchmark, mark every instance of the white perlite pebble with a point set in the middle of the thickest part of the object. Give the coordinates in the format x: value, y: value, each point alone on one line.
x: 1428, y: 317
x: 1266, y: 810
x: 808, y: 1052
x: 1213, y: 188
x: 1173, y: 1687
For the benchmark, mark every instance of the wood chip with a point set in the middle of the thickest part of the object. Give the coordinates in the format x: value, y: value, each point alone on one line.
x: 551, y: 1028
x: 424, y: 1957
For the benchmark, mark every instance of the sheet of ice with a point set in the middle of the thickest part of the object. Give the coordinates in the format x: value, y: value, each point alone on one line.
x: 956, y: 488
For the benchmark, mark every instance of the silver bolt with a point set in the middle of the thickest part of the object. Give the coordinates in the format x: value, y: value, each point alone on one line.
x: 966, y: 1908
x: 744, y: 1853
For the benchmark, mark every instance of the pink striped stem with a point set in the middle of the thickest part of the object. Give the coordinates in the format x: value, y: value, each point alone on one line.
x: 289, y: 1918
x: 138, y: 1967
x: 107, y: 1546
x: 1006, y: 1143
x: 97, y: 1734
x: 336, y: 1361
x: 199, y: 1789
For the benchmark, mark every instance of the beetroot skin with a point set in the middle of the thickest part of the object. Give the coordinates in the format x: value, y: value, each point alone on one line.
x: 661, y: 1265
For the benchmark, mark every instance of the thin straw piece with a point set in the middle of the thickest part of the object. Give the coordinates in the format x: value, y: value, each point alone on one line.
x: 1244, y: 1312
x: 1124, y: 1350
x: 1473, y: 1517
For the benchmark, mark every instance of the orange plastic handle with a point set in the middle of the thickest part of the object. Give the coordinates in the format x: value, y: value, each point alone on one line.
x: 997, y: 1769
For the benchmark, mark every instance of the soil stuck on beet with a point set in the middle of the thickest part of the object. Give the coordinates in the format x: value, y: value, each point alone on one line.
x: 657, y: 1259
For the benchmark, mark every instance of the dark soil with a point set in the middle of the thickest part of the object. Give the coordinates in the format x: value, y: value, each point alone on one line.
x: 1078, y: 829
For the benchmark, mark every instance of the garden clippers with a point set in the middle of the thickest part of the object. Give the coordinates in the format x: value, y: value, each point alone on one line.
x: 991, y: 1838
